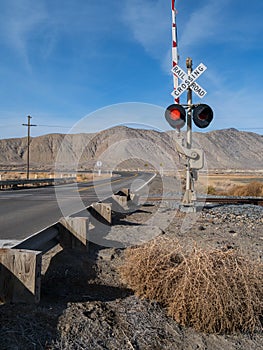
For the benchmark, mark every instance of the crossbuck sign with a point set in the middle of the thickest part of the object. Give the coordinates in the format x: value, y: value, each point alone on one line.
x: 189, y: 81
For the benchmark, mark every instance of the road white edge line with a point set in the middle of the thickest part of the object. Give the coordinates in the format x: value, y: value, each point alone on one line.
x: 146, y: 183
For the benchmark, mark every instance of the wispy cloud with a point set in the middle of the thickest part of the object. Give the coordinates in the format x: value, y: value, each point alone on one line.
x: 18, y: 21
x: 147, y: 20
x: 219, y: 22
x: 39, y: 25
x: 203, y: 24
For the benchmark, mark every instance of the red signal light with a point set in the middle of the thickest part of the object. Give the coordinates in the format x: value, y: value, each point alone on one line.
x: 175, y: 115
x: 202, y: 115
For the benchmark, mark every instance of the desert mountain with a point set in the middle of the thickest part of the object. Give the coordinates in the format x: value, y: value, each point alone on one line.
x: 132, y: 148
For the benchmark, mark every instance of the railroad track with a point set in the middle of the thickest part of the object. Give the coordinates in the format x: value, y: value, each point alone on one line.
x: 233, y: 200
x: 211, y: 199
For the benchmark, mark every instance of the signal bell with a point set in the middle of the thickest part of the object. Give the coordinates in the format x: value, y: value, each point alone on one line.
x: 175, y: 115
x: 202, y: 115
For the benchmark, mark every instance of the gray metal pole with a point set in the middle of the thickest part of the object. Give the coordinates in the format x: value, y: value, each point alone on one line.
x: 188, y: 193
x: 189, y: 65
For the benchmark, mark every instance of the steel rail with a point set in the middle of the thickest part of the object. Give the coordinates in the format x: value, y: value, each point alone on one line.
x: 219, y: 200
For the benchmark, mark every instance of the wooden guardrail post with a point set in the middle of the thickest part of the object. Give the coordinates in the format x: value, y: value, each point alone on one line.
x: 125, y: 192
x: 73, y: 232
x: 124, y: 200
x: 20, y: 275
x: 121, y: 200
x: 101, y: 211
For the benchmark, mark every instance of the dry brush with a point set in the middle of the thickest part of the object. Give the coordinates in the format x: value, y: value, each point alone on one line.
x: 253, y: 189
x: 211, y: 290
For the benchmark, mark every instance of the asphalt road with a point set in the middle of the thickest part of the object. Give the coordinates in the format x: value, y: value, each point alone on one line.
x: 27, y: 211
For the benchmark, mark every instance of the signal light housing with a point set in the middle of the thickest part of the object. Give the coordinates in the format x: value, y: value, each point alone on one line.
x: 176, y: 116
x: 202, y: 115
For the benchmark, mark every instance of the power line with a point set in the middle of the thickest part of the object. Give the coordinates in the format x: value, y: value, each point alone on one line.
x: 49, y: 126
x: 8, y: 126
x: 56, y: 126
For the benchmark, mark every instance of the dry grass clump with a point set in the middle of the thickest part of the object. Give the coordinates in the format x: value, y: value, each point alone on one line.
x: 211, y: 190
x: 213, y: 291
x: 253, y: 189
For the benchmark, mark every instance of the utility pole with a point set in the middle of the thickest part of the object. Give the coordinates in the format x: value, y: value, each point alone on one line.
x: 28, y: 142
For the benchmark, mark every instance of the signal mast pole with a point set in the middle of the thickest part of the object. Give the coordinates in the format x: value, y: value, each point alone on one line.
x: 189, y: 195
x: 28, y: 143
x: 175, y: 57
x: 189, y: 192
x: 175, y: 114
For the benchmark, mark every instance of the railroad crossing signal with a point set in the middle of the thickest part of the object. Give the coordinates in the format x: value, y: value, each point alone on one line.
x: 176, y: 116
x: 189, y: 81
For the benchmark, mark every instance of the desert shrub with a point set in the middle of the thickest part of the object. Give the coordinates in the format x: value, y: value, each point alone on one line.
x: 253, y: 189
x: 211, y: 190
x: 210, y: 290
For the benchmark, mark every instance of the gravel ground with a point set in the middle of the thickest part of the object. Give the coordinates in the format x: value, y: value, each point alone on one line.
x: 85, y: 306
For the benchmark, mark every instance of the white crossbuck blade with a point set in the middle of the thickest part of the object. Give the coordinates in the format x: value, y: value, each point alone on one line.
x: 189, y: 81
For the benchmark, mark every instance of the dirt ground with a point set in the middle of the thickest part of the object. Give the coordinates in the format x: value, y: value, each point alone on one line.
x: 84, y: 304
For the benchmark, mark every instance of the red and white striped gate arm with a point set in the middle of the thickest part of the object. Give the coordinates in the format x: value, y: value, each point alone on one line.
x: 175, y: 56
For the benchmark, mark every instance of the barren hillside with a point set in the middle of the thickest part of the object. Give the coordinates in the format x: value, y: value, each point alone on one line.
x: 224, y: 149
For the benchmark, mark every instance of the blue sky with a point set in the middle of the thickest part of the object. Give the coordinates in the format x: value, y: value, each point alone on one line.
x: 62, y: 60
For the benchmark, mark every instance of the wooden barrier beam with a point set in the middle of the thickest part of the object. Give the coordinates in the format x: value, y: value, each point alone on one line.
x: 121, y: 200
x: 73, y: 232
x: 20, y: 275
